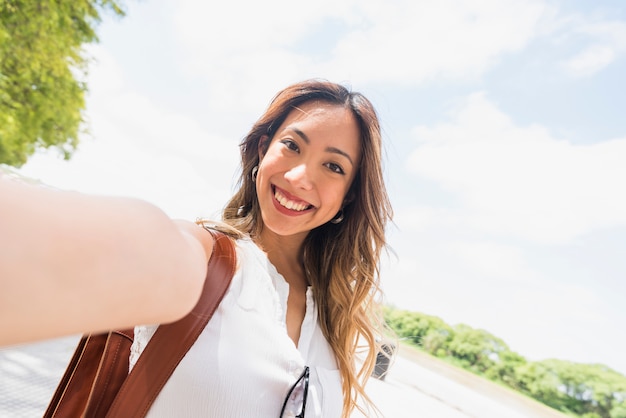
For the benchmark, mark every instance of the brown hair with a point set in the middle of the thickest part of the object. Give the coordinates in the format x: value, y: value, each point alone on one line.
x: 341, y: 260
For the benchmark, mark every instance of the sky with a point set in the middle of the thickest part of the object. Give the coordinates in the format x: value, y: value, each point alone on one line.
x: 504, y: 131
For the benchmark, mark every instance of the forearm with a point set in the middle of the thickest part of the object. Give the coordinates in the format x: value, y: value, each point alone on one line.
x: 72, y: 263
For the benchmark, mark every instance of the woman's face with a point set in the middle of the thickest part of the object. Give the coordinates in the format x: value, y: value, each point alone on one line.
x: 308, y: 168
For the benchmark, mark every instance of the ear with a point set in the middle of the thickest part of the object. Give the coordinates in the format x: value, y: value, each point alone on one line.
x: 263, y: 145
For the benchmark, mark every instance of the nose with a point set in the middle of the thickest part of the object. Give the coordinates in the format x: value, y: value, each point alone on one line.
x: 300, y: 177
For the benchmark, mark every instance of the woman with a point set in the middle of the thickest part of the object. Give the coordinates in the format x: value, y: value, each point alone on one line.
x: 309, y: 220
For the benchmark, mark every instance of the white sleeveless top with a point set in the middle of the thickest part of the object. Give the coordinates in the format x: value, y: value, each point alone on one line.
x: 244, y: 363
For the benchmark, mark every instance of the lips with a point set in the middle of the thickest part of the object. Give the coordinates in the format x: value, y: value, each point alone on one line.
x: 289, y: 201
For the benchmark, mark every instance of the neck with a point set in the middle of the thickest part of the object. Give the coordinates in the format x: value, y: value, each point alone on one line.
x: 284, y: 252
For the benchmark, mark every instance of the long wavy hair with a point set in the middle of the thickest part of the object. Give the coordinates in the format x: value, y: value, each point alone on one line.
x: 341, y: 261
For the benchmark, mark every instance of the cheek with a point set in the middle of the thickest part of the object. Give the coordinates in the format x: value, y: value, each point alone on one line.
x: 267, y: 166
x: 335, y: 196
x: 271, y: 159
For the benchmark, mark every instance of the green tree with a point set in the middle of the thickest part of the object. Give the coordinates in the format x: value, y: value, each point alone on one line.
x: 619, y: 410
x: 437, y: 339
x: 477, y: 349
x: 417, y: 327
x: 582, y: 390
x: 42, y: 63
x: 505, y: 369
x: 586, y: 390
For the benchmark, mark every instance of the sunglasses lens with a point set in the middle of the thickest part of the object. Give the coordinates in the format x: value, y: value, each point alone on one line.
x: 301, y: 387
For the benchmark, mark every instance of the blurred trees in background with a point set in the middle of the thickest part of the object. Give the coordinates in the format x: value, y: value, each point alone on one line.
x: 42, y: 71
x: 582, y: 390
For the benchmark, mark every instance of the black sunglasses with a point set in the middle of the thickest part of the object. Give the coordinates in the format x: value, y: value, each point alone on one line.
x: 303, y: 377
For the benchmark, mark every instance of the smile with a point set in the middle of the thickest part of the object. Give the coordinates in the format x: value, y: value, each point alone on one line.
x: 290, y: 203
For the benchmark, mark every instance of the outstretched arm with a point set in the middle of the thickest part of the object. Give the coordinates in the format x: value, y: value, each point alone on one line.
x: 73, y: 263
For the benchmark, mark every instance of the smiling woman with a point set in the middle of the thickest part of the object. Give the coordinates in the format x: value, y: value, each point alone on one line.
x: 308, y: 223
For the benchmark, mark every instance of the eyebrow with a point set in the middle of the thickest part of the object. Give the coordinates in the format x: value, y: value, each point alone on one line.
x: 328, y: 149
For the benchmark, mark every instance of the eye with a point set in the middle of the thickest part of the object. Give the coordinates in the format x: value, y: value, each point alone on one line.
x: 290, y: 144
x: 335, y: 168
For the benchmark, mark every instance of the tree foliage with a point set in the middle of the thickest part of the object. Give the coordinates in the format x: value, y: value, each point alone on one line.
x: 42, y: 62
x: 420, y: 329
x: 478, y: 350
x: 586, y: 390
x: 583, y: 390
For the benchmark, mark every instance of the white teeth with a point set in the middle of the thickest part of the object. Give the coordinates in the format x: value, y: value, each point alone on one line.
x: 289, y: 204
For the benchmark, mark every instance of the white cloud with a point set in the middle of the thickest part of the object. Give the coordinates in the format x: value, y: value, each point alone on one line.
x: 608, y: 41
x: 519, y: 181
x: 591, y: 60
x: 140, y: 148
x: 411, y: 42
x: 491, y: 285
x: 247, y: 51
x: 492, y: 261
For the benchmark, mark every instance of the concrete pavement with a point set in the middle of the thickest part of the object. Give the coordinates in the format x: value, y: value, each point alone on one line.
x: 30, y: 373
x: 419, y: 385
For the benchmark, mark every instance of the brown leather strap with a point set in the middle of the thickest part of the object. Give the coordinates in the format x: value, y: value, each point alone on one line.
x: 112, y: 372
x: 171, y: 342
x: 71, y: 397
